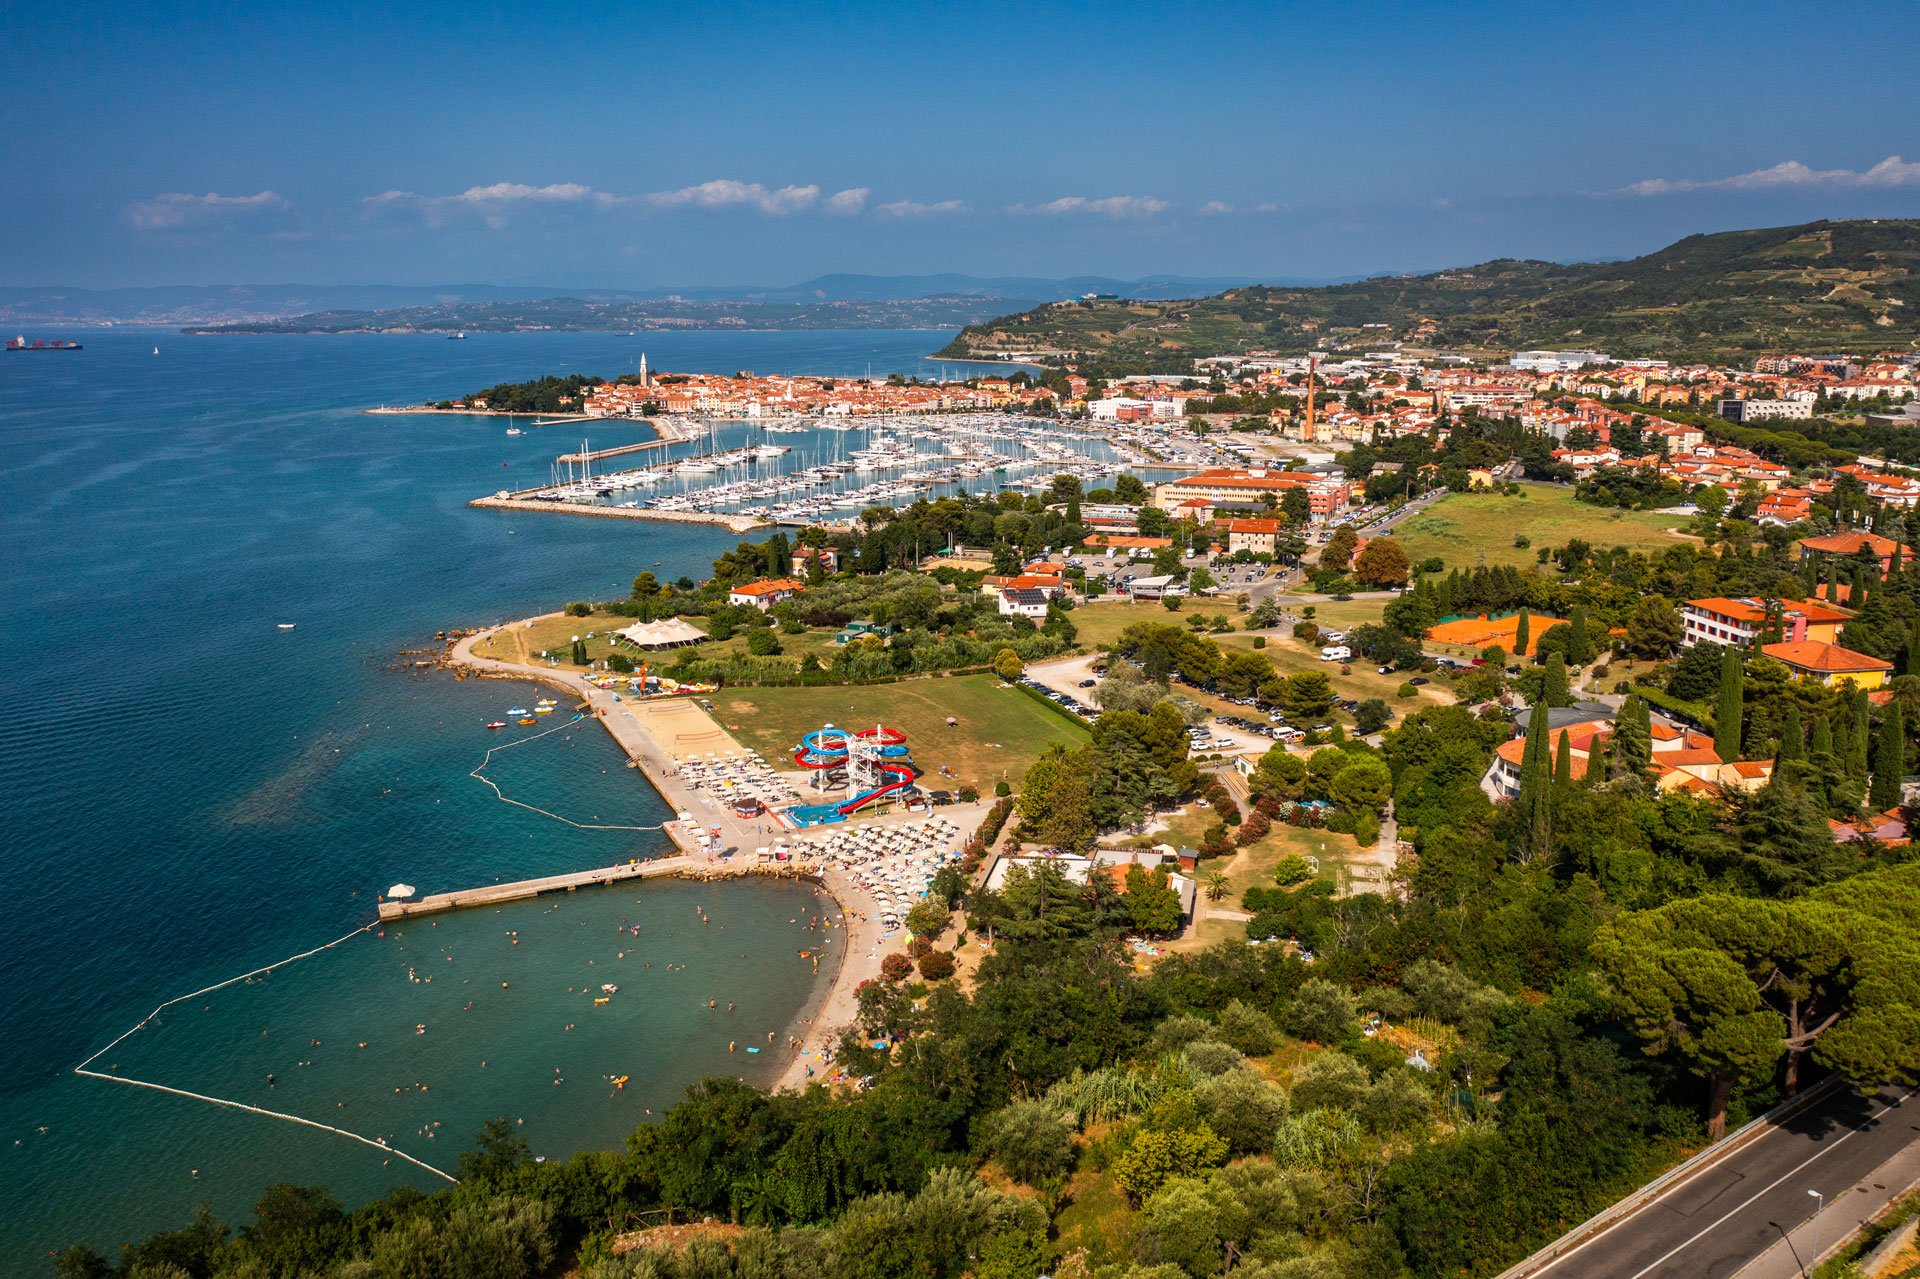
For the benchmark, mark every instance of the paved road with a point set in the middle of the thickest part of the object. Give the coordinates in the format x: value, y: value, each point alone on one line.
x: 1722, y: 1219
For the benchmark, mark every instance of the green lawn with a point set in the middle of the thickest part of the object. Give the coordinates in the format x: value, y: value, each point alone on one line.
x: 1464, y: 526
x: 1001, y: 730
x: 1099, y: 625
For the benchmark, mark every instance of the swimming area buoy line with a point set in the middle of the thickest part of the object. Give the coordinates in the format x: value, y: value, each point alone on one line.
x: 480, y: 774
x: 375, y: 1142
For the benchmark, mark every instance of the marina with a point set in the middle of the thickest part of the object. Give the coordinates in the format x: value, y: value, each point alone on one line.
x: 730, y: 472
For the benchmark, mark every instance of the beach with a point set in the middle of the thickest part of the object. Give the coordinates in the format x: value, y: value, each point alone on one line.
x: 865, y: 946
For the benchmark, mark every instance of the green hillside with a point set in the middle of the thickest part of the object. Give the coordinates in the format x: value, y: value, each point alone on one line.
x: 1823, y: 286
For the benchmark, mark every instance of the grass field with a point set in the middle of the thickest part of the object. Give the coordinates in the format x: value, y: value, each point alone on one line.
x: 1099, y: 625
x: 555, y: 633
x: 1000, y: 732
x: 1290, y: 656
x: 1465, y: 526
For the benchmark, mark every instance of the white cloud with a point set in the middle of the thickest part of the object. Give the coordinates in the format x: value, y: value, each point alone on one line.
x: 1268, y: 207
x: 508, y: 192
x: 1215, y: 206
x: 1113, y: 206
x: 177, y: 209
x: 914, y: 209
x: 848, y: 202
x: 725, y: 192
x: 1890, y: 172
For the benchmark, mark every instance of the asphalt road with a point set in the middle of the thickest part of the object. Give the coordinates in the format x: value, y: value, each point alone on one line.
x: 1724, y: 1217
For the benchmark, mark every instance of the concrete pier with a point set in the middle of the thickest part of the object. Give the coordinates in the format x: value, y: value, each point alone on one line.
x: 494, y: 894
x: 732, y: 523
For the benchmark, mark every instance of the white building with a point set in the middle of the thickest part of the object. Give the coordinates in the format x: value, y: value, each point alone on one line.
x: 1557, y: 361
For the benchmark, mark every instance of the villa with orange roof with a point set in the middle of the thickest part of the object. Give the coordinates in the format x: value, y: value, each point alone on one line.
x: 1730, y: 621
x: 1850, y: 545
x: 765, y: 593
x: 1830, y: 664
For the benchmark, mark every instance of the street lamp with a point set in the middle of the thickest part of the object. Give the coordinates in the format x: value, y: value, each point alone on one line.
x: 1814, y: 1256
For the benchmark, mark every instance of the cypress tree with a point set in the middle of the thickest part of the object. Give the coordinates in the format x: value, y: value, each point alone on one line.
x: 1820, y: 740
x: 1632, y: 750
x: 1857, y: 595
x: 1556, y: 690
x: 1810, y: 573
x: 1889, y: 761
x: 1599, y: 755
x: 1857, y: 749
x: 1577, y: 651
x: 1536, y: 791
x: 1520, y: 635
x: 1910, y: 663
x: 1726, y: 719
x: 1563, y: 759
x: 1792, y: 744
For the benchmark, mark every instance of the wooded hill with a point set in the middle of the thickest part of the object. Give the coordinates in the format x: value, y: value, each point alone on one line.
x: 1822, y: 286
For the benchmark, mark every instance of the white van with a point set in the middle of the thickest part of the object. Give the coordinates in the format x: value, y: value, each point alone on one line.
x: 1336, y: 653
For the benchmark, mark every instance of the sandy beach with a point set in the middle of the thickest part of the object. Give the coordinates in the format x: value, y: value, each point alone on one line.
x: 862, y: 947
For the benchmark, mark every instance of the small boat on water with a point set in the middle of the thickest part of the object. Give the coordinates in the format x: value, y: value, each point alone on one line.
x: 498, y: 723
x: 529, y: 720
x: 543, y: 710
x: 600, y: 1000
x: 287, y: 626
x: 512, y: 430
x: 516, y: 710
x: 610, y: 988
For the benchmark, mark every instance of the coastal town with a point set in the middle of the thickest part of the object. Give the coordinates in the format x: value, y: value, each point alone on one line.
x: 807, y: 643
x: 1324, y: 584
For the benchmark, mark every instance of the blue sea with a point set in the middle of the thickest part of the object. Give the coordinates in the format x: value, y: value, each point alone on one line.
x: 188, y: 792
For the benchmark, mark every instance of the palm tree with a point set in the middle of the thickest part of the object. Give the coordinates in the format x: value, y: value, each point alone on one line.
x: 1217, y: 885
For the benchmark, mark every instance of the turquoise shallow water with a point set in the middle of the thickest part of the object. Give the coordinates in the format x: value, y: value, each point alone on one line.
x: 187, y: 792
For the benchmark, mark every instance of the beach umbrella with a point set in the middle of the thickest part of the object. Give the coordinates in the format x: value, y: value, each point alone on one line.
x: 400, y: 890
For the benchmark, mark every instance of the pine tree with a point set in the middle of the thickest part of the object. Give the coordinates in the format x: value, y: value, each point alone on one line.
x: 1726, y: 720
x: 1889, y: 761
x: 1563, y: 759
x: 1520, y: 635
x: 1577, y: 651
x: 1793, y: 744
x: 1556, y: 691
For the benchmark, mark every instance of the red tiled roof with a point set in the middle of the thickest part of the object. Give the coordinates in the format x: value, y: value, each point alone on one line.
x: 1831, y: 659
x: 1752, y: 611
x: 768, y: 587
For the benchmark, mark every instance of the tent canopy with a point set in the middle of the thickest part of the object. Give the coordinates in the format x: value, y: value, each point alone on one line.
x: 664, y: 634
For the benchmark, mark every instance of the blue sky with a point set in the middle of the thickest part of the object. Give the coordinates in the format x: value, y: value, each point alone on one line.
x: 628, y: 145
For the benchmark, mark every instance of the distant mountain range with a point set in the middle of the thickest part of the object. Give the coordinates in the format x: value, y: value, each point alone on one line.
x: 244, y: 304
x: 1821, y: 286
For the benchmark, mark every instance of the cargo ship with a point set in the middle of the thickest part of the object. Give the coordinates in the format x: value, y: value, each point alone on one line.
x: 41, y: 344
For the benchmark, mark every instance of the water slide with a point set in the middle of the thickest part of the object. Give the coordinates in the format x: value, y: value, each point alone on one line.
x: 827, y: 749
